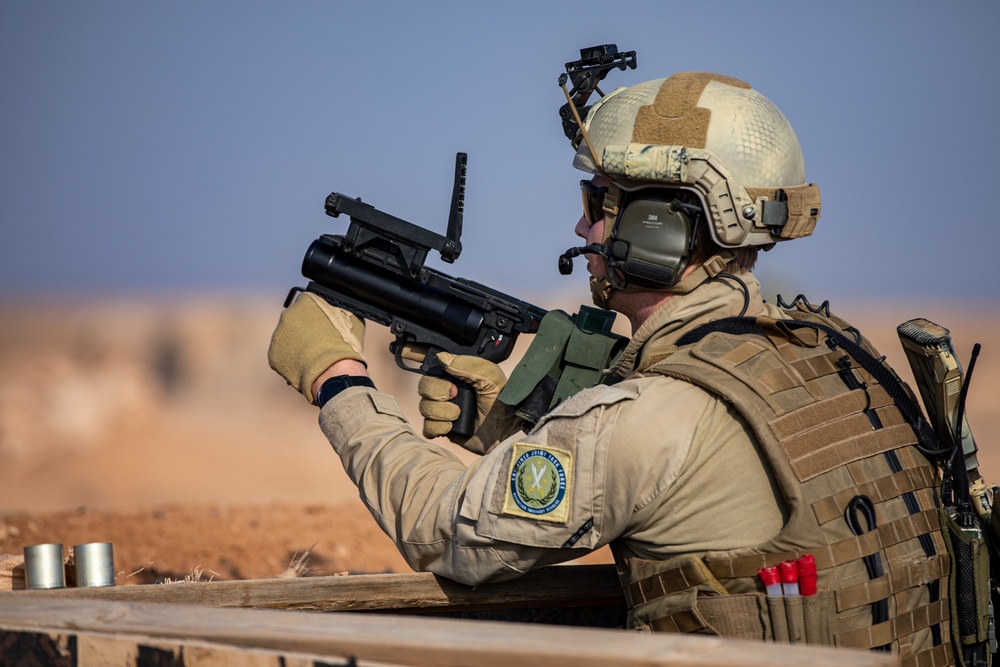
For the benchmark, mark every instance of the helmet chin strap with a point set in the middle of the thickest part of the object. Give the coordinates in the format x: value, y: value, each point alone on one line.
x: 600, y: 288
x: 600, y: 291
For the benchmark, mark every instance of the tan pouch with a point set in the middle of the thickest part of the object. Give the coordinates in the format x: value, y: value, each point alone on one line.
x: 779, y: 622
x: 682, y: 595
x: 817, y: 612
x: 730, y: 616
x: 795, y: 620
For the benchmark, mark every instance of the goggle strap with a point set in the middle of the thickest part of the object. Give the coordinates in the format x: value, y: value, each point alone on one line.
x: 612, y: 199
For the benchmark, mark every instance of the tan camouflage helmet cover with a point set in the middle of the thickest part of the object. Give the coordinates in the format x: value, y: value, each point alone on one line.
x: 711, y: 134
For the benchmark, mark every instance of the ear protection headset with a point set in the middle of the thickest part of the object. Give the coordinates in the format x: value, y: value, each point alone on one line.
x: 652, y: 241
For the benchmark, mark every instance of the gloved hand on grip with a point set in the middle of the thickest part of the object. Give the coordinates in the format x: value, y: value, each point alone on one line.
x: 438, y: 412
x: 310, y: 337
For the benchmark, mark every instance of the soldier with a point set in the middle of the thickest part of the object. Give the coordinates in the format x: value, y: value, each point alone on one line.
x: 730, y: 435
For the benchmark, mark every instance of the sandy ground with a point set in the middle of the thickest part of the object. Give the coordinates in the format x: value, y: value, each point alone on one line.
x: 157, y: 425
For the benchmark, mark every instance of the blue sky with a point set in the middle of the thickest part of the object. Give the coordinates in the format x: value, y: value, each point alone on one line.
x: 187, y: 145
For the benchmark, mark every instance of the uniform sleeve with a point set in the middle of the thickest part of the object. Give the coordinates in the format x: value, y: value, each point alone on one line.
x: 535, y: 499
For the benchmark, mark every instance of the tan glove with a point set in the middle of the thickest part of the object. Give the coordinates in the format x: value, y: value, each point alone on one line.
x: 310, y: 337
x: 438, y: 412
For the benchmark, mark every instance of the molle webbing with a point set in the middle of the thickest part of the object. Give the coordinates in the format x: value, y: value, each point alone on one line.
x: 901, y: 625
x: 914, y: 574
x: 818, y: 453
x: 835, y: 426
x: 832, y: 555
x: 827, y: 410
x: 879, y: 490
x: 941, y: 655
x: 881, y: 373
x: 689, y: 573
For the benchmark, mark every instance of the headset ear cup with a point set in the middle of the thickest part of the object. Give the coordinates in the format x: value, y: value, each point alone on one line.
x: 618, y: 251
x: 652, y: 240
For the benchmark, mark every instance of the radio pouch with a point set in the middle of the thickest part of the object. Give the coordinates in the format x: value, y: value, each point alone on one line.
x: 971, y: 608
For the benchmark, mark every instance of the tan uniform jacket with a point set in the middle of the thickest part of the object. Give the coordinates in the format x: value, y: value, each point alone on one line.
x: 655, y: 461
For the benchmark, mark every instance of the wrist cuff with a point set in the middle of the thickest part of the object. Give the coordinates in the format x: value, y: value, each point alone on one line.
x: 337, y: 384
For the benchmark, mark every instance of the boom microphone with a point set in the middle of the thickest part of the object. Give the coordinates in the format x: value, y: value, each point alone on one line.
x: 566, y: 259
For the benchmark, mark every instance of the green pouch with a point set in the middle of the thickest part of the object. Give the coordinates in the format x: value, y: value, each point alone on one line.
x: 569, y: 353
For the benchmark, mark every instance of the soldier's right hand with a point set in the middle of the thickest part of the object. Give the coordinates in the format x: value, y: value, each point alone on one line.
x: 439, y: 413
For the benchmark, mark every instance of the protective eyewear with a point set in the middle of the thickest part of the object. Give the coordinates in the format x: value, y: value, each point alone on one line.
x: 593, y: 201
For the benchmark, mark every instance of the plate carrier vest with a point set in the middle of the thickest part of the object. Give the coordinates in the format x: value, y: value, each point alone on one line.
x: 837, y: 445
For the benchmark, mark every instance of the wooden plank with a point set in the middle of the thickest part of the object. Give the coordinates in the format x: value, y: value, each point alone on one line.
x: 404, y: 640
x: 558, y: 586
x: 87, y: 649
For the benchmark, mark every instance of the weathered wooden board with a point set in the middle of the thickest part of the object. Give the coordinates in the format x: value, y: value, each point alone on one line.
x: 558, y: 586
x: 388, y: 639
x: 85, y: 649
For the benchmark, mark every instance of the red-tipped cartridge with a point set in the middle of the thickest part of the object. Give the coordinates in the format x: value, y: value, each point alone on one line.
x: 772, y: 581
x: 789, y: 578
x: 807, y: 574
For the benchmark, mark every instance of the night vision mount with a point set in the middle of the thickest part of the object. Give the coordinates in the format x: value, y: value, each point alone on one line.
x: 585, y: 74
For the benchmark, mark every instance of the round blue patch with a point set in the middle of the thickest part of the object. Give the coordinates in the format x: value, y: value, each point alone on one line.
x: 537, y: 482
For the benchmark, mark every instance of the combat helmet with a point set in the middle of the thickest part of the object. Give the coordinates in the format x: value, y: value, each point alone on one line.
x: 703, y: 133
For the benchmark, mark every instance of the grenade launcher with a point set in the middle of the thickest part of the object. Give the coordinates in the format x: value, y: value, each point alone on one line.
x: 377, y: 272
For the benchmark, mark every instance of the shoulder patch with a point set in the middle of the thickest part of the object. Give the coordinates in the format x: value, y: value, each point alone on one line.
x: 539, y: 483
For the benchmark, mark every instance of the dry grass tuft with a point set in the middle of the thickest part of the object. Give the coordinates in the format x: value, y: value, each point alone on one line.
x: 194, y: 576
x: 122, y: 573
x: 299, y: 565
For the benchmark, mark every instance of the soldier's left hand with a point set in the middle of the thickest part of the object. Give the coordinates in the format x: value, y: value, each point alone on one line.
x: 310, y: 337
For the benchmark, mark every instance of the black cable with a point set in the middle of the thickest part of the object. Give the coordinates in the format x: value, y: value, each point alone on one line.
x: 862, y: 506
x: 959, y: 469
x: 743, y: 285
x: 822, y: 309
